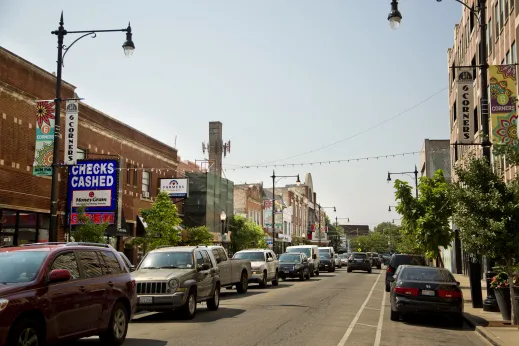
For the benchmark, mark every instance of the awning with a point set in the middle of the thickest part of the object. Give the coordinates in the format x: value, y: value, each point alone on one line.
x: 113, y: 231
x: 141, y: 227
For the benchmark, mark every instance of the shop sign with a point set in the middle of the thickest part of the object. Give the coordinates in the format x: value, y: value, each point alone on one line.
x: 175, y: 187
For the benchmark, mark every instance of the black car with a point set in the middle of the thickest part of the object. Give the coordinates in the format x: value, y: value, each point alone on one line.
x: 326, y: 261
x: 294, y: 265
x: 425, y: 290
x: 359, y: 261
x: 375, y: 260
x: 398, y: 260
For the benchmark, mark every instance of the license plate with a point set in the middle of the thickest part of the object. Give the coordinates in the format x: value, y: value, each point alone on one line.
x: 145, y: 300
x: 286, y: 271
x: 427, y: 293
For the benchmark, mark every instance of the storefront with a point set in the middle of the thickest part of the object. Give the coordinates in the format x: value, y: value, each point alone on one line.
x: 22, y: 227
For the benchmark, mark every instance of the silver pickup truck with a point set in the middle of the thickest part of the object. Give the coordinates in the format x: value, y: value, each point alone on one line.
x: 233, y: 272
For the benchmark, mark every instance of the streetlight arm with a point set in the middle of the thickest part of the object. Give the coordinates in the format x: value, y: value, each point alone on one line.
x: 467, y: 6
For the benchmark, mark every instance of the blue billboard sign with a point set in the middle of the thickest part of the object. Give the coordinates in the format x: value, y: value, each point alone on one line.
x: 93, y: 184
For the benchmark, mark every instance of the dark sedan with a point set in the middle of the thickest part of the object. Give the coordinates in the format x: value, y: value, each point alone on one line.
x: 294, y: 265
x: 359, y: 261
x: 326, y: 262
x: 425, y: 290
x: 401, y: 259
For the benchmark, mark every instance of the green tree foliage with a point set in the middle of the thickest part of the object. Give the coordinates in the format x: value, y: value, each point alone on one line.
x: 392, y: 233
x: 199, y: 236
x: 486, y: 210
x: 426, y: 219
x: 372, y: 242
x: 334, y: 235
x: 300, y: 241
x: 162, y: 224
x: 245, y: 234
x: 87, y: 230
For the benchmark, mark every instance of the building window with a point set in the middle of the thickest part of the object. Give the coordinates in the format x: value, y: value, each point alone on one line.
x: 496, y: 16
x: 146, y: 177
x: 476, y: 120
x: 504, y: 11
x: 489, y: 37
x: 81, y: 154
x: 134, y: 175
x: 454, y: 113
x: 472, y: 18
x: 513, y: 54
x: 507, y: 57
x: 128, y: 174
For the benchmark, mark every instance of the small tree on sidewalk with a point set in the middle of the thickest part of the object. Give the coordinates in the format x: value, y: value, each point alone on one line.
x: 199, y: 236
x: 245, y: 234
x: 486, y: 210
x: 426, y: 219
x: 87, y: 230
x: 162, y: 223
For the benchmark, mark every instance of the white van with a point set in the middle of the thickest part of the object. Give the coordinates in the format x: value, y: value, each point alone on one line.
x: 312, y: 252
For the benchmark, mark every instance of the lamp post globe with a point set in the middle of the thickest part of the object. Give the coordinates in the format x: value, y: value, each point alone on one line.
x: 223, y: 216
x: 394, y: 16
x: 128, y: 45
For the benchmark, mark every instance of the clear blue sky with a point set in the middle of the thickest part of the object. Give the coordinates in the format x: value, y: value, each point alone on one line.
x: 284, y: 77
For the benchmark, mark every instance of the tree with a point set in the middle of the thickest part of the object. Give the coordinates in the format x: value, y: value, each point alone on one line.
x: 162, y: 224
x: 300, y: 241
x: 199, y: 236
x: 486, y: 210
x: 87, y: 230
x: 426, y: 219
x: 334, y: 235
x: 392, y: 233
x: 362, y: 242
x: 245, y: 234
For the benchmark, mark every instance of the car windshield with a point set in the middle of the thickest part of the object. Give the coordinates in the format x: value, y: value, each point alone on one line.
x: 343, y: 255
x: 304, y: 250
x: 251, y: 256
x: 407, y: 259
x: 426, y: 274
x: 167, y: 260
x: 359, y: 255
x: 20, y: 266
x: 325, y: 255
x: 290, y: 258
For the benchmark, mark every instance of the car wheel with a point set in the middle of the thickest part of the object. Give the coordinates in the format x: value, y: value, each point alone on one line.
x: 302, y: 275
x: 275, y: 281
x: 379, y: 267
x: 263, y: 283
x: 458, y: 321
x: 395, y: 315
x: 317, y: 272
x: 348, y: 270
x: 243, y: 286
x: 188, y: 310
x: 26, y: 332
x: 115, y: 334
x: 214, y: 302
x: 307, y: 274
x: 369, y: 271
x: 387, y: 288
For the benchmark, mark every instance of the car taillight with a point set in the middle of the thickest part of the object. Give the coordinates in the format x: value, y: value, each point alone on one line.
x: 406, y: 291
x: 389, y: 269
x: 449, y: 294
x: 133, y: 283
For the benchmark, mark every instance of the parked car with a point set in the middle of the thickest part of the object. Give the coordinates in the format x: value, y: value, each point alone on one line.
x: 326, y: 262
x: 344, y: 258
x: 233, y: 272
x: 60, y: 292
x: 294, y: 265
x: 331, y: 251
x: 375, y: 259
x: 425, y: 290
x: 338, y: 263
x: 264, y: 263
x: 312, y: 252
x: 359, y: 261
x: 400, y: 259
x: 126, y: 261
x: 177, y: 278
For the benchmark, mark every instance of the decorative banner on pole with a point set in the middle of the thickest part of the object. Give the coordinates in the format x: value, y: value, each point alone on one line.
x: 503, y: 94
x: 44, y: 148
x: 464, y: 104
x: 71, y: 124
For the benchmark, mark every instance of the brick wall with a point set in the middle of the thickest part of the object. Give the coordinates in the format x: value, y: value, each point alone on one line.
x: 100, y: 135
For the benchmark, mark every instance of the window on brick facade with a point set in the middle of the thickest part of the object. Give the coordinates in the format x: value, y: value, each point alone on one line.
x: 513, y: 54
x: 146, y: 178
x: 476, y: 120
x: 507, y: 57
x: 81, y: 154
x: 489, y: 36
x: 128, y: 174
x: 135, y: 175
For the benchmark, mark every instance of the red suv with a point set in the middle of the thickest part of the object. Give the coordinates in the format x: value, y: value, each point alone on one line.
x: 54, y: 292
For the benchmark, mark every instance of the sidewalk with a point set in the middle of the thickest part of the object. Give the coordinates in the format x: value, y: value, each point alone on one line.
x: 489, y: 324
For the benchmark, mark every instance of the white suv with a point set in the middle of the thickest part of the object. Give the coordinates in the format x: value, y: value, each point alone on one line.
x: 264, y: 265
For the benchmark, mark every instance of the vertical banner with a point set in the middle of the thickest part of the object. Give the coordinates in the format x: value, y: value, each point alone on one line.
x: 503, y: 93
x: 465, y: 105
x: 71, y: 124
x: 44, y: 148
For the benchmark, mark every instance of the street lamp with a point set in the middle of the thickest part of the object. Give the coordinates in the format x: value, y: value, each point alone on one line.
x: 480, y: 12
x: 319, y: 216
x: 274, y: 176
x: 394, y: 15
x: 223, y: 217
x: 389, y: 209
x: 128, y: 47
x: 415, y: 172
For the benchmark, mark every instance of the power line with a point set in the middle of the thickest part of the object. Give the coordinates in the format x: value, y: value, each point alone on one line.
x: 358, y: 133
x: 358, y: 159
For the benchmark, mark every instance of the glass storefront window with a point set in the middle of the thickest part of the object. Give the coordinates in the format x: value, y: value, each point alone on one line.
x: 27, y: 219
x: 26, y: 235
x: 21, y: 227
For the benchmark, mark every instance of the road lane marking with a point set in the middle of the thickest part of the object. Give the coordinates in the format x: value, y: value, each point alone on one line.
x: 356, y: 318
x: 378, y: 336
x: 366, y: 325
x: 367, y: 307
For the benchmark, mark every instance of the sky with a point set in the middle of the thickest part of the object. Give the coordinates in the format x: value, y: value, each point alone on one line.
x: 284, y: 77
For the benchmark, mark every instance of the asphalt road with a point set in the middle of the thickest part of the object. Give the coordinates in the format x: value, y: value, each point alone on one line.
x: 333, y: 309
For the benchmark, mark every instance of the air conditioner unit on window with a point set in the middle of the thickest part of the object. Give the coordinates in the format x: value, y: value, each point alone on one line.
x: 145, y: 194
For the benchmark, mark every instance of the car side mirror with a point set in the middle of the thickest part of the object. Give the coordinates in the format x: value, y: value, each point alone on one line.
x: 204, y: 266
x: 305, y: 260
x: 391, y: 279
x: 59, y: 275
x: 132, y: 268
x: 314, y: 256
x: 458, y: 283
x: 270, y: 259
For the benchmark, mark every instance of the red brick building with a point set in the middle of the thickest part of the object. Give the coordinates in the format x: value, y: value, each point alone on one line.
x: 248, y: 202
x: 25, y: 198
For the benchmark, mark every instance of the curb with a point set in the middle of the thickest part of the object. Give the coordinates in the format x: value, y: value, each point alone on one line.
x: 487, y: 335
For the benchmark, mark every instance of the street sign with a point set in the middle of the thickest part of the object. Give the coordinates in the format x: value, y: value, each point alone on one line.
x: 359, y: 249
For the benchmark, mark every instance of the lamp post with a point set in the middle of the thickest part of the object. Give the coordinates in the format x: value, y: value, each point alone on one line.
x: 415, y: 172
x: 391, y: 206
x: 480, y: 12
x: 128, y: 47
x: 223, y: 217
x: 274, y: 176
x: 319, y: 216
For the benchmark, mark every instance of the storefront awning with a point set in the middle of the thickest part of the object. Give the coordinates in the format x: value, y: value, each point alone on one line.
x: 113, y: 231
